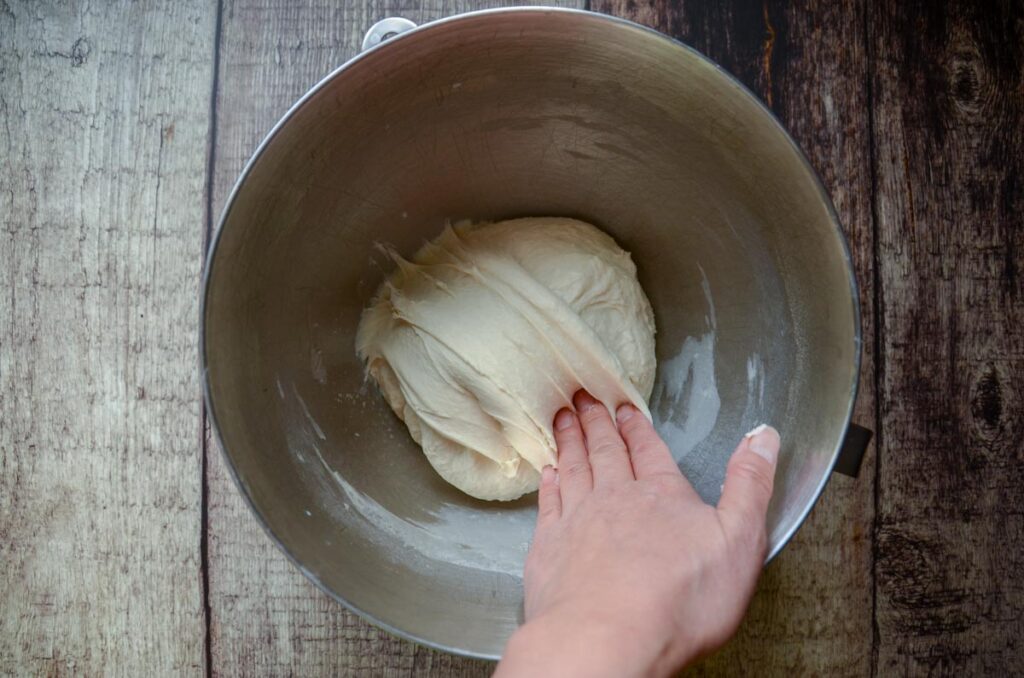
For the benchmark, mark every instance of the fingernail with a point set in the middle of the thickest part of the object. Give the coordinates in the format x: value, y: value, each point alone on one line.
x: 563, y: 420
x: 624, y: 413
x: 764, y: 441
x: 755, y: 431
x: 584, y: 401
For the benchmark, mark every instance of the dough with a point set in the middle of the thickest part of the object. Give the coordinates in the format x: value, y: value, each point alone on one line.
x: 490, y: 329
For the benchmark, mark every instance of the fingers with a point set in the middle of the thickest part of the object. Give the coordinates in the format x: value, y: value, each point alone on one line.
x: 549, y: 498
x: 647, y: 451
x: 574, y: 477
x: 748, y: 482
x: 606, y: 450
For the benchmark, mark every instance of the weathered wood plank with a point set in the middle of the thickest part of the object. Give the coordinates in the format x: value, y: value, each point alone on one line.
x: 812, y: 613
x: 266, y: 618
x: 103, y: 140
x: 949, y: 142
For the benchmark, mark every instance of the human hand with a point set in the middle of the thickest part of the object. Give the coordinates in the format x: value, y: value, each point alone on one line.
x: 630, y: 573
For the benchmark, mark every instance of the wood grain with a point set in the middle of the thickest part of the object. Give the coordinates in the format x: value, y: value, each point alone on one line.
x: 103, y: 138
x: 812, y: 612
x: 266, y: 618
x: 949, y: 142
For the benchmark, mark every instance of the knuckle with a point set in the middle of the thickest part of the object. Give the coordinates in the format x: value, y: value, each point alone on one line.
x: 650, y: 496
x: 574, y: 470
x: 753, y: 540
x: 646, y: 448
x: 753, y: 474
x: 637, y: 425
x: 594, y: 414
x: 568, y: 435
x: 742, y: 543
x: 665, y: 484
x: 548, y: 512
x: 605, y: 447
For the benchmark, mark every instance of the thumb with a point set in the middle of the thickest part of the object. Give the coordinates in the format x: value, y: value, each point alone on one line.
x: 748, y: 483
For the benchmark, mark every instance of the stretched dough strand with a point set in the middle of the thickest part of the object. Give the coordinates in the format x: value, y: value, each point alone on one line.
x: 487, y: 332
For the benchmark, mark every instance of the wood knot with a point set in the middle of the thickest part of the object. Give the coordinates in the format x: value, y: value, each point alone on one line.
x: 967, y: 82
x: 913, y: 574
x: 80, y: 52
x: 987, y: 400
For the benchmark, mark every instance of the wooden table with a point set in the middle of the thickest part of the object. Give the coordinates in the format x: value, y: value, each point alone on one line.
x: 124, y: 547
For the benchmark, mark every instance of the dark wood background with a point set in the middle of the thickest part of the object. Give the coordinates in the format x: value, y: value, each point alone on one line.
x: 124, y: 546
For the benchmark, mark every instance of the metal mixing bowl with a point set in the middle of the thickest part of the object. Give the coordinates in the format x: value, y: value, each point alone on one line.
x: 492, y: 115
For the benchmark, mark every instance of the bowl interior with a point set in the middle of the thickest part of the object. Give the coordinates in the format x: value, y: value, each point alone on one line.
x: 491, y: 116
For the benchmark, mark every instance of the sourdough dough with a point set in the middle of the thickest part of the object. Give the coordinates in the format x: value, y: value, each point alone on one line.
x: 479, y: 340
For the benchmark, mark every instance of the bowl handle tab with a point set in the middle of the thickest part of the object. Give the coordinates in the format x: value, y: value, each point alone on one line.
x: 385, y: 29
x: 852, y: 451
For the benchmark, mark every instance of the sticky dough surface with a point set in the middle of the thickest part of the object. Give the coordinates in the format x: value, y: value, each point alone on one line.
x: 479, y: 340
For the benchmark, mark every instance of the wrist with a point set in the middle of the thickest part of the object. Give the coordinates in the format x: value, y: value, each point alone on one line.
x: 593, y: 644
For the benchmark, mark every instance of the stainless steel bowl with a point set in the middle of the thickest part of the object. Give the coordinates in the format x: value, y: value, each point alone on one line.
x: 485, y: 116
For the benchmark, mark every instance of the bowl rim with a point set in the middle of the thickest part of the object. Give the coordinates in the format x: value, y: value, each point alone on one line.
x: 587, y: 15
